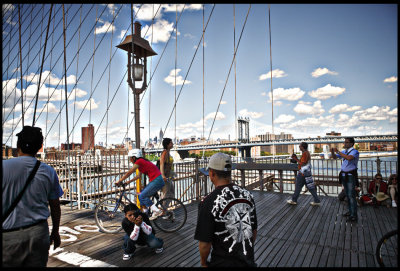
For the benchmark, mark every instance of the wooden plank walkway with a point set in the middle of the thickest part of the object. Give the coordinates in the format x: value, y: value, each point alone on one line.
x: 288, y: 236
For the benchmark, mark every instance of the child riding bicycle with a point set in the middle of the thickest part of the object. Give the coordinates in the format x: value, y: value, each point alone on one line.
x: 156, y: 181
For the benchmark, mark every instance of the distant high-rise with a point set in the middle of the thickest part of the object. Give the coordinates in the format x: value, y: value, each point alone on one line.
x: 88, y: 137
x: 161, y: 135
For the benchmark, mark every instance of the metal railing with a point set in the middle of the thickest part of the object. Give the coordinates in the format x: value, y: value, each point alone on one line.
x: 90, y: 178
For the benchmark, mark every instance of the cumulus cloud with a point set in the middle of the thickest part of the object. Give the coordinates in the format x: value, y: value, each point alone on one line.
x: 390, y: 79
x: 322, y: 71
x: 326, y: 92
x: 375, y: 113
x: 82, y: 104
x: 304, y: 108
x: 170, y: 79
x: 321, y: 121
x: 223, y: 102
x: 147, y: 12
x: 277, y: 73
x: 284, y: 118
x: 162, y: 30
x: 253, y: 115
x: 107, y: 27
x: 49, y: 78
x: 291, y: 94
x: 343, y: 108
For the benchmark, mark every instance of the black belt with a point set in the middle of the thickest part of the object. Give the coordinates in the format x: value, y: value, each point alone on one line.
x: 24, y: 227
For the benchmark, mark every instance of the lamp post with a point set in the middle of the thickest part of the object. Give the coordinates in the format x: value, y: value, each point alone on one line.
x: 138, y: 50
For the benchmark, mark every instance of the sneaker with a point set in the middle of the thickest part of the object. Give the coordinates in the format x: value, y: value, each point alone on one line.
x: 291, y: 202
x: 315, y: 203
x: 156, y: 214
x: 159, y: 250
x: 127, y: 257
x: 394, y: 204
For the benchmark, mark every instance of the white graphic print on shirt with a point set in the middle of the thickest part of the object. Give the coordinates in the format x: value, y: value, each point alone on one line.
x: 234, y: 208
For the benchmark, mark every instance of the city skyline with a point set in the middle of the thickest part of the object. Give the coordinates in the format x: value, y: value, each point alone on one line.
x: 328, y: 74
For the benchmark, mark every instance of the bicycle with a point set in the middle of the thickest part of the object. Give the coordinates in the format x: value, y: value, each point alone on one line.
x: 386, y: 250
x: 110, y: 212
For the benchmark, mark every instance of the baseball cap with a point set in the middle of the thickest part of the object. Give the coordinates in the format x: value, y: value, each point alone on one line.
x: 219, y: 161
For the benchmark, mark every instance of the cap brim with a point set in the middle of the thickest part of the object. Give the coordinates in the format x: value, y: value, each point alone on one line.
x: 204, y: 171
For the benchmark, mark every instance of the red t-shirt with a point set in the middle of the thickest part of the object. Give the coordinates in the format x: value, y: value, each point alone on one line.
x: 148, y: 168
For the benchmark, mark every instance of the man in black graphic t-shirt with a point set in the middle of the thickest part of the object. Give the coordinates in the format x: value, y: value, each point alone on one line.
x: 227, y: 219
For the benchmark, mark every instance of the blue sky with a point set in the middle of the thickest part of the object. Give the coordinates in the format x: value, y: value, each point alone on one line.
x: 334, y: 68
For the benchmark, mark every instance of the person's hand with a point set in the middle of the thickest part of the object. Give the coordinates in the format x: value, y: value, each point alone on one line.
x: 55, y: 237
x: 294, y: 156
x: 138, y: 220
x: 165, y: 178
x: 335, y: 150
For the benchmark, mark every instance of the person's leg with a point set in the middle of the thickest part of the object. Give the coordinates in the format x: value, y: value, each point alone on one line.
x: 300, y: 181
x: 154, y: 242
x: 39, y: 245
x: 150, y: 190
x: 313, y: 192
x: 129, y: 245
x: 349, y: 186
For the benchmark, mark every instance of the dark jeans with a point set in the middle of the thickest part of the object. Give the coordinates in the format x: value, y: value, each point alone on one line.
x: 151, y: 241
x: 350, y: 190
x: 300, y: 182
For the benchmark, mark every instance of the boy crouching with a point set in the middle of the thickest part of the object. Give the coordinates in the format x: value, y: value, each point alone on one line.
x: 139, y: 231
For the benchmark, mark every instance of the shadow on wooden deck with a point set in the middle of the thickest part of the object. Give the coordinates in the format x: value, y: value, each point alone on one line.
x: 288, y: 236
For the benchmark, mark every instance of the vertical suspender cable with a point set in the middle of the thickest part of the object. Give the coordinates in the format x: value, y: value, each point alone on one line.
x: 66, y: 110
x: 91, y: 83
x: 41, y: 67
x: 151, y: 62
x: 48, y: 92
x: 77, y: 66
x: 176, y: 58
x: 272, y: 91
x: 20, y: 67
x: 109, y: 77
x: 202, y: 136
x: 234, y: 49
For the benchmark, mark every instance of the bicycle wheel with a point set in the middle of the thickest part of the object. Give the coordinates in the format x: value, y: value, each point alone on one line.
x: 175, y: 215
x: 109, y: 215
x: 132, y: 198
x: 387, y: 250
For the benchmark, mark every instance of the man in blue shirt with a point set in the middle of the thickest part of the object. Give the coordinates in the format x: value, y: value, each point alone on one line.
x: 348, y: 175
x: 25, y: 232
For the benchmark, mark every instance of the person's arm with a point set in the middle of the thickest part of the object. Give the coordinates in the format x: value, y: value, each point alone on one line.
x: 254, y: 236
x: 204, y: 249
x: 162, y: 165
x: 55, y: 212
x: 333, y: 151
x: 127, y: 174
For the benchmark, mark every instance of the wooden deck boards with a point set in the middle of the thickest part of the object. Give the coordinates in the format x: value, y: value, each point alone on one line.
x: 288, y: 236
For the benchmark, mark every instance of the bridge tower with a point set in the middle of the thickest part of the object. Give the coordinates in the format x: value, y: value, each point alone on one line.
x: 243, y: 132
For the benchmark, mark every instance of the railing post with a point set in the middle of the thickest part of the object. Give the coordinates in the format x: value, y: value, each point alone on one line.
x: 78, y: 180
x: 378, y: 165
x: 196, y: 168
x: 280, y: 181
x: 242, y: 178
x: 261, y: 180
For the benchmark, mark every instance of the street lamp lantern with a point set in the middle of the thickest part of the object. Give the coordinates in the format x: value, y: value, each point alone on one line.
x: 138, y: 50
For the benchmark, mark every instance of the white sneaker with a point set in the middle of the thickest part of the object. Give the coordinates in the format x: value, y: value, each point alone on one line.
x: 315, y: 203
x: 156, y: 214
x: 291, y: 202
x: 127, y: 257
x: 394, y: 204
x: 159, y: 250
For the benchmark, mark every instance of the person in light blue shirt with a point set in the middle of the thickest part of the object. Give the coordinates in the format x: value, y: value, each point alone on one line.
x: 25, y: 231
x: 348, y: 175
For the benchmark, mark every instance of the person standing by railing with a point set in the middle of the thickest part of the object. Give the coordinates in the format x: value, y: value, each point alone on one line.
x: 25, y: 231
x: 304, y: 176
x: 393, y: 189
x: 348, y: 175
x: 166, y: 166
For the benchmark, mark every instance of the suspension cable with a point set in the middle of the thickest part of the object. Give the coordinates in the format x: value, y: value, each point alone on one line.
x: 91, y: 81
x: 226, y: 81
x: 20, y: 66
x: 272, y: 91
x: 176, y: 60
x: 234, y: 45
x: 41, y: 67
x: 202, y: 136
x: 109, y: 76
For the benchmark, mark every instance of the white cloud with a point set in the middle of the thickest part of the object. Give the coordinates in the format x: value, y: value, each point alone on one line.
x: 81, y: 104
x: 291, y: 94
x: 303, y: 108
x: 223, y: 102
x: 277, y: 73
x: 343, y: 108
x: 264, y: 94
x: 322, y: 71
x: 390, y: 79
x: 305, y: 124
x: 284, y: 118
x: 326, y: 92
x: 105, y: 28
x: 170, y: 79
x: 146, y: 12
x: 122, y: 35
x: 375, y: 113
x: 162, y: 30
x: 49, y: 78
x: 253, y: 115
